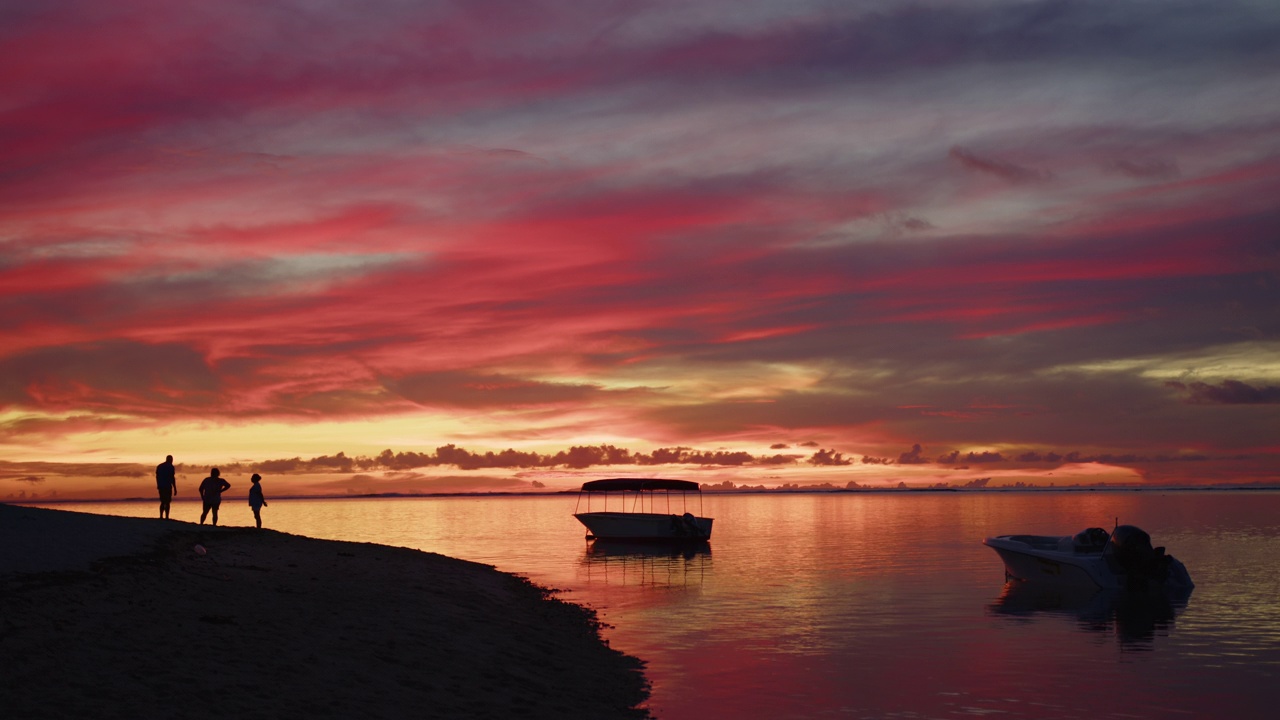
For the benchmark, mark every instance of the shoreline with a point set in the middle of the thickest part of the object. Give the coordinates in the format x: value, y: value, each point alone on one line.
x: 126, y: 617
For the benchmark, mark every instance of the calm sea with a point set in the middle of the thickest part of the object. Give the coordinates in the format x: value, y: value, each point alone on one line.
x: 879, y: 605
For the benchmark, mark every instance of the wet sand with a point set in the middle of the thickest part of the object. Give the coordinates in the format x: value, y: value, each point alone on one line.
x: 123, y: 617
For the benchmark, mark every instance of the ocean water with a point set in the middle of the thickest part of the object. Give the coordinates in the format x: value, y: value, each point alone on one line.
x: 879, y: 605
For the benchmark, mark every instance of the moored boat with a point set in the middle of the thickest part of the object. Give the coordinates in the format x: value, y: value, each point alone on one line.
x: 646, y: 511
x: 1122, y: 559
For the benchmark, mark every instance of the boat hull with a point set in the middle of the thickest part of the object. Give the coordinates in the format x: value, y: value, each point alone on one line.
x: 1025, y: 561
x: 645, y: 526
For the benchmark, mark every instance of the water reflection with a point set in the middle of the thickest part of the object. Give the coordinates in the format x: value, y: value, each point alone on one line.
x: 613, y: 562
x: 1136, y: 618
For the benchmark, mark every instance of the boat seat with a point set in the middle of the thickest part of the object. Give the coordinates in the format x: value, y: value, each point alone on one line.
x: 1089, y: 541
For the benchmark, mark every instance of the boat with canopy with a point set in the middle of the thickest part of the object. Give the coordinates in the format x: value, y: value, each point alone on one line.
x: 642, y: 509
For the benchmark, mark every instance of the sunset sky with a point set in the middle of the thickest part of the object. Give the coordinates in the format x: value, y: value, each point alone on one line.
x: 945, y: 240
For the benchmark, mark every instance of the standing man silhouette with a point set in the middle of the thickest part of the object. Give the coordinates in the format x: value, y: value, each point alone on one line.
x: 256, y: 499
x: 211, y: 490
x: 167, y: 484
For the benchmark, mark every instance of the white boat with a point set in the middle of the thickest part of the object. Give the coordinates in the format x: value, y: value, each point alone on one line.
x: 1121, y: 560
x: 645, y: 510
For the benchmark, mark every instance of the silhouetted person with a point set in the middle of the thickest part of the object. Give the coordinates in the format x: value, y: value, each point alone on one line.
x: 256, y: 501
x: 211, y: 489
x: 166, y: 483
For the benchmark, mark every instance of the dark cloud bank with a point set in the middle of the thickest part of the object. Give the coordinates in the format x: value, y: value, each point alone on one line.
x: 580, y: 457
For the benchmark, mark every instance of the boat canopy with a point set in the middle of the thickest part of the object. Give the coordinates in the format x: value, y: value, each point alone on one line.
x: 638, y: 485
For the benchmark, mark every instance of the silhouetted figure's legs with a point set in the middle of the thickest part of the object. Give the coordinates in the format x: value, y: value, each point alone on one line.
x: 257, y: 517
x: 215, y: 514
x: 205, y: 514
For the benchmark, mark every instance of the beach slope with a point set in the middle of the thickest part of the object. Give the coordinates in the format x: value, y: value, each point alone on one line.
x: 125, y: 617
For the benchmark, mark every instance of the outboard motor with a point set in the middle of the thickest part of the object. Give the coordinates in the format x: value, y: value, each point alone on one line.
x: 686, y: 526
x: 691, y: 525
x: 1142, y: 564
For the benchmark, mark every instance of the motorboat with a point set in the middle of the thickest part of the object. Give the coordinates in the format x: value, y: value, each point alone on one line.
x: 1120, y: 560
x: 645, y: 510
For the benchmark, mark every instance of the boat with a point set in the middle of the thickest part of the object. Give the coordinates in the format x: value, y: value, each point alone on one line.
x: 1120, y: 560
x: 639, y: 517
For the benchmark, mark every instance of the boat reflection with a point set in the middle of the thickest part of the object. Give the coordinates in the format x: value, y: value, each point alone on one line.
x: 613, y: 562
x: 1136, y: 618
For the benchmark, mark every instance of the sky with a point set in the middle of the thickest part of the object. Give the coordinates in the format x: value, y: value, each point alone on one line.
x: 872, y: 242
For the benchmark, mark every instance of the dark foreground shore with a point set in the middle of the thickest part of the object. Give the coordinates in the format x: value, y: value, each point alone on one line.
x: 123, y: 617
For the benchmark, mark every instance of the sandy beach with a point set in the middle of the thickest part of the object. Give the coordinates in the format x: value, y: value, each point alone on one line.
x: 125, y: 617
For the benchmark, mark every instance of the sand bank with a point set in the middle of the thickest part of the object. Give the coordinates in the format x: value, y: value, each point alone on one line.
x: 122, y: 617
